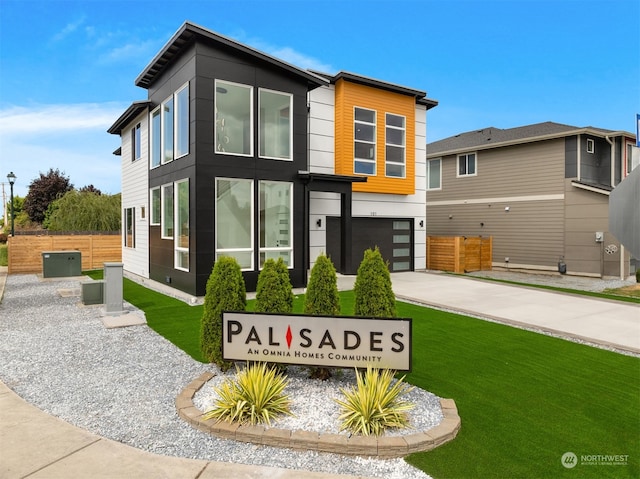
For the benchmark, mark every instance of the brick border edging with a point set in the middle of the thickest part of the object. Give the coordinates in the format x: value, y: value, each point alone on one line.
x: 372, y: 446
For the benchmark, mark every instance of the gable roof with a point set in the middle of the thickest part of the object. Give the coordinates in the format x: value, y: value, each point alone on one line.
x: 128, y: 116
x: 492, y: 137
x: 189, y: 32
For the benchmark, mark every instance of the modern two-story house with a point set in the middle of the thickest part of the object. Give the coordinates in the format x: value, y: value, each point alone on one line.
x: 540, y: 191
x: 238, y: 153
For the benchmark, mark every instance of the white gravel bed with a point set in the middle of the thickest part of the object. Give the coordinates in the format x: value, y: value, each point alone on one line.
x: 122, y: 383
x: 313, y: 406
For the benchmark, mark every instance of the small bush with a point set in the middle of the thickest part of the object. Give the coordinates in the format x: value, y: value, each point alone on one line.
x: 274, y: 293
x: 374, y: 404
x: 374, y: 296
x: 255, y: 396
x: 225, y: 291
x: 3, y: 238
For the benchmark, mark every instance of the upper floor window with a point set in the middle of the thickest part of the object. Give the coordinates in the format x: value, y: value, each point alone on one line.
x: 395, y: 133
x: 234, y: 118
x: 434, y: 174
x: 364, y: 147
x: 467, y: 165
x: 167, y: 130
x: 276, y: 124
x: 136, y: 143
x: 182, y: 122
x: 591, y: 146
x: 170, y: 128
x: 156, y: 138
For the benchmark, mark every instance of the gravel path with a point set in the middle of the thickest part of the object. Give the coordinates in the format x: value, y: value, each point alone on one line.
x: 122, y: 383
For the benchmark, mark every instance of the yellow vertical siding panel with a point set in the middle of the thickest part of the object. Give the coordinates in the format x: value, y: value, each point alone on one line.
x: 350, y: 95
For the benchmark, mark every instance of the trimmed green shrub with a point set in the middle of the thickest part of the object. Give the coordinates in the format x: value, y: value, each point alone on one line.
x: 255, y: 396
x: 374, y: 404
x: 322, y: 299
x: 274, y: 293
x: 374, y: 296
x: 226, y: 291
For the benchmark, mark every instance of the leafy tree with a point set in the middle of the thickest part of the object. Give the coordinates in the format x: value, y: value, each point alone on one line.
x: 322, y: 299
x: 274, y: 293
x: 374, y: 296
x: 225, y: 291
x: 90, y: 189
x: 84, y: 211
x: 44, y: 190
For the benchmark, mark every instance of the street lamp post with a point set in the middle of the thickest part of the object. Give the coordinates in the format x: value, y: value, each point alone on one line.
x: 12, y: 179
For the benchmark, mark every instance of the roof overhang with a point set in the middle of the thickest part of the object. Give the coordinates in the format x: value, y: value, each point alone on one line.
x: 188, y: 33
x: 128, y: 116
x: 309, y: 177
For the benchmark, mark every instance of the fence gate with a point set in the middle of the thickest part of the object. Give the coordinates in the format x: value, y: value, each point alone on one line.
x: 459, y: 254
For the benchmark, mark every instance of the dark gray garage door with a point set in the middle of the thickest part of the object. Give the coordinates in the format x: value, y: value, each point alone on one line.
x: 393, y: 236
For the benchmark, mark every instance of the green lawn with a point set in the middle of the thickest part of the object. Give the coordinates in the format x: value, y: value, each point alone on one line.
x: 524, y: 398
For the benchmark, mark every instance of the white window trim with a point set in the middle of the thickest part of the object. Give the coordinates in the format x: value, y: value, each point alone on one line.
x: 151, y: 138
x: 229, y: 251
x: 251, y: 115
x: 290, y: 247
x: 374, y: 162
x: 163, y: 160
x: 151, y: 222
x: 178, y: 249
x: 260, y: 90
x: 591, y: 145
x: 135, y: 131
x: 439, y: 188
x: 133, y: 228
x: 404, y: 146
x: 475, y: 173
x: 175, y: 121
x: 162, y: 215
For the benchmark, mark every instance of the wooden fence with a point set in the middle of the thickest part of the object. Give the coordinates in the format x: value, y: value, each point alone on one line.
x: 25, y: 252
x: 459, y: 254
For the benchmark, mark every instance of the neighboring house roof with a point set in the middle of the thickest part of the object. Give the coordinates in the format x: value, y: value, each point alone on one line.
x: 421, y: 96
x: 127, y: 117
x: 492, y: 137
x: 189, y: 33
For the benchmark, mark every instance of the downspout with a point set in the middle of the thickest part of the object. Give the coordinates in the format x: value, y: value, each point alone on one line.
x: 613, y: 179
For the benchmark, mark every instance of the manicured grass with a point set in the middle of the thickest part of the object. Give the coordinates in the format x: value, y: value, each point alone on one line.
x: 524, y: 398
x: 4, y: 255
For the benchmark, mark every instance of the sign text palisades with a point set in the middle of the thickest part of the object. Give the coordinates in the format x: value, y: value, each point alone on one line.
x: 319, y: 341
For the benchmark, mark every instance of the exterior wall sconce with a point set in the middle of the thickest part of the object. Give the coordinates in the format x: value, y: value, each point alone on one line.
x: 450, y: 217
x: 506, y: 208
x: 319, y: 222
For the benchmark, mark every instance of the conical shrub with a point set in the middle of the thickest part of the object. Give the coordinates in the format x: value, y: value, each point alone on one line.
x: 374, y: 296
x: 274, y: 293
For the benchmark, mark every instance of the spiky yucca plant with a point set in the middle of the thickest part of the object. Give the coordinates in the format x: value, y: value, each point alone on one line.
x: 254, y: 396
x: 374, y: 404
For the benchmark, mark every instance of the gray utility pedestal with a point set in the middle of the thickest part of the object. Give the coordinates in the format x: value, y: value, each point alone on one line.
x: 60, y: 264
x: 113, y: 284
x: 93, y: 292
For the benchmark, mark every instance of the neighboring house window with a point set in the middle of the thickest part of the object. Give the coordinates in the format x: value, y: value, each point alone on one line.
x: 167, y: 212
x: 156, y: 206
x: 467, y: 164
x: 364, y: 147
x: 182, y: 122
x: 182, y: 225
x: 276, y: 221
x: 234, y: 119
x: 591, y: 146
x: 434, y: 174
x: 276, y: 124
x: 234, y: 220
x: 129, y: 227
x: 136, y: 143
x: 167, y: 130
x: 156, y: 138
x: 395, y: 145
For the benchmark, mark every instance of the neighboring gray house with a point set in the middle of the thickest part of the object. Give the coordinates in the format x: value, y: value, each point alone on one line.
x: 541, y: 191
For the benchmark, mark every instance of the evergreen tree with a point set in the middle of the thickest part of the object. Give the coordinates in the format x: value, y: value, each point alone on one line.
x: 374, y: 296
x: 274, y: 293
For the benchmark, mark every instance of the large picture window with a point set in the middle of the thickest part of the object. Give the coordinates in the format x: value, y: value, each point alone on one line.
x: 234, y: 220
x: 182, y: 122
x: 167, y: 212
x: 434, y: 176
x: 167, y: 130
x: 170, y: 128
x: 129, y: 227
x: 276, y: 221
x: 395, y: 134
x: 364, y: 146
x: 234, y: 119
x: 182, y: 225
x: 276, y: 124
x: 156, y: 138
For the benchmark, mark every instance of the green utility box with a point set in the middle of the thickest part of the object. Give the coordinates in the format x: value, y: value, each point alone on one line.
x: 93, y: 292
x: 59, y: 264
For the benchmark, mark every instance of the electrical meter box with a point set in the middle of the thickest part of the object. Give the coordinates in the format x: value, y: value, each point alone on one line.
x: 60, y: 264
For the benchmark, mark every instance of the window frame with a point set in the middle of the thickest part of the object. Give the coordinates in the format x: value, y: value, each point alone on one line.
x: 176, y: 221
x: 439, y: 187
x: 136, y: 142
x: 261, y: 135
x: 475, y: 165
x: 373, y: 144
x: 219, y: 125
x: 180, y: 124
x: 156, y: 150
x: 155, y: 220
x: 591, y: 145
x: 163, y: 214
x: 129, y: 218
x: 266, y: 249
x: 403, y: 129
x: 165, y: 134
x: 229, y: 251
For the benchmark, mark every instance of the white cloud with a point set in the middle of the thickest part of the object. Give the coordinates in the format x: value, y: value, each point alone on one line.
x: 301, y: 60
x: 68, y: 29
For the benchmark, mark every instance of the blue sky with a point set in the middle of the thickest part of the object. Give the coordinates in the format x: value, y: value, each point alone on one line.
x: 67, y: 68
